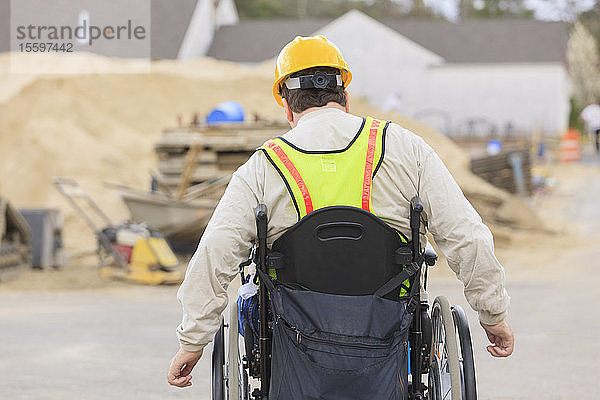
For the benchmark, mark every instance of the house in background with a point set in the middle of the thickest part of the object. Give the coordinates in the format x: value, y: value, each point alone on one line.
x: 497, y: 76
x: 480, y: 77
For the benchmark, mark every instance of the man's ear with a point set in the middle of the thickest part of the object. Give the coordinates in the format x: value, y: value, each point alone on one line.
x: 289, y: 115
x: 347, y: 100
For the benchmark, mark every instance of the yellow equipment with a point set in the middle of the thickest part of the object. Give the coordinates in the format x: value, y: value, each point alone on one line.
x: 308, y: 52
x: 127, y: 251
x: 151, y: 262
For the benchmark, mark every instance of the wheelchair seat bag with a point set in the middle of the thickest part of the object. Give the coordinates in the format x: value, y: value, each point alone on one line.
x: 330, y: 346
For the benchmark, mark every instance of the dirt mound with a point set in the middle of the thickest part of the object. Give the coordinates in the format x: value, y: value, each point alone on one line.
x: 102, y: 126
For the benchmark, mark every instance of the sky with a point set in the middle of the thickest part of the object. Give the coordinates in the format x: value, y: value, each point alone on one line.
x: 559, y: 9
x: 544, y: 9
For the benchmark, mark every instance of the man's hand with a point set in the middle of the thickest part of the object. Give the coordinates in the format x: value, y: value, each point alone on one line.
x: 501, y: 337
x: 181, y: 365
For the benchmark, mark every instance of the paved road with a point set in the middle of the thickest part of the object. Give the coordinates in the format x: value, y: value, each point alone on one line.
x: 116, y: 343
x: 109, y: 344
x: 555, y: 318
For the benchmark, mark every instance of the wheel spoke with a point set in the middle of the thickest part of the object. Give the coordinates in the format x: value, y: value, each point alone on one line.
x: 447, y: 392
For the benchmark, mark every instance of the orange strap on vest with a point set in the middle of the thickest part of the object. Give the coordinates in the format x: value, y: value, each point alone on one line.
x: 294, y: 171
x: 368, y: 177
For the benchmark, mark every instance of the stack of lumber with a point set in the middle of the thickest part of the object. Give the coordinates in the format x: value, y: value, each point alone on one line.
x: 217, y: 150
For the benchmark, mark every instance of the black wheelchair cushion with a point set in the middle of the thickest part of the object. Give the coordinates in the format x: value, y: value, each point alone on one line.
x: 340, y: 250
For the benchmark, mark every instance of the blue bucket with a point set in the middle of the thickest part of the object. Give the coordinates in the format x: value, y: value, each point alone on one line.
x: 494, y: 147
x: 230, y: 111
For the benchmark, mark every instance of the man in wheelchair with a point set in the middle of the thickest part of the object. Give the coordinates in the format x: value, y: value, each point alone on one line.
x: 339, y: 265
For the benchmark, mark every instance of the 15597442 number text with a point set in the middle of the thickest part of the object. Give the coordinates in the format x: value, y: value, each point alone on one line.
x: 46, y: 47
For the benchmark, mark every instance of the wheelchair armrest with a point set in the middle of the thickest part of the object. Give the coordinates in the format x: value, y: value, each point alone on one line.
x: 430, y: 255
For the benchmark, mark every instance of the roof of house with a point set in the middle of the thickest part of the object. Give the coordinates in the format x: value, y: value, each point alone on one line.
x: 488, y: 41
x: 168, y: 24
x: 472, y: 41
x: 259, y: 40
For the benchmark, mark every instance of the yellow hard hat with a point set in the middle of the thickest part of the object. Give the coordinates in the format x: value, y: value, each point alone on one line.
x: 308, y: 52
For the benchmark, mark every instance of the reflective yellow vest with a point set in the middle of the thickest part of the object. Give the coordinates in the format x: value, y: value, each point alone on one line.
x: 317, y: 179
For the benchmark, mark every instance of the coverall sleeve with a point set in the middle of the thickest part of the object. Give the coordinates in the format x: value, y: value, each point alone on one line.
x: 226, y: 242
x: 464, y: 239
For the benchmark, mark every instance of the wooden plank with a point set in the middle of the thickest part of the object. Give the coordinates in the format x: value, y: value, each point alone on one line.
x: 175, y: 165
x: 497, y: 170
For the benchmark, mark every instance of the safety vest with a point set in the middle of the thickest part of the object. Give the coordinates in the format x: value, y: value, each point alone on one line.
x: 317, y: 179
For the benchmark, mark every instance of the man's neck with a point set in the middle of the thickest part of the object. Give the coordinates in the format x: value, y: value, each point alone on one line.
x: 331, y: 104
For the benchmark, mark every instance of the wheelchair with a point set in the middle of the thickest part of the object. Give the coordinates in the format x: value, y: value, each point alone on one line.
x: 328, y: 329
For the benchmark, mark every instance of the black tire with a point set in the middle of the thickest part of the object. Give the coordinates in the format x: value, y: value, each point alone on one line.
x: 465, y: 354
x: 233, y: 356
x: 445, y: 369
x: 435, y: 386
x: 245, y: 385
x: 218, y: 364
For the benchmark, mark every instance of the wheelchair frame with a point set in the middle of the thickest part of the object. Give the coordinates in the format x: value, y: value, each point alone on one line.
x: 440, y: 341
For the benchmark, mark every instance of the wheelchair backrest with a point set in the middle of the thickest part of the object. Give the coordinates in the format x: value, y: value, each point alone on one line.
x: 340, y: 250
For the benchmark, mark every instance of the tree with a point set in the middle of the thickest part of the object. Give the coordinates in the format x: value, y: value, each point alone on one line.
x: 260, y: 9
x: 378, y: 9
x: 584, y: 65
x: 591, y: 20
x: 567, y: 10
x: 494, y: 9
x: 421, y: 10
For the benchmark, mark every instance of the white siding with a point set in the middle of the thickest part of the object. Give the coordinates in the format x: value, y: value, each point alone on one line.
x: 527, y: 96
x: 382, y: 61
x: 200, y: 31
x: 226, y: 13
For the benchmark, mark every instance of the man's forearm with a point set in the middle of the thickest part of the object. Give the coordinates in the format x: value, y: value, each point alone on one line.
x: 482, y: 275
x: 202, y: 299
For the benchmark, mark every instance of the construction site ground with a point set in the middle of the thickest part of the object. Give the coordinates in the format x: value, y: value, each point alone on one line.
x: 115, y: 340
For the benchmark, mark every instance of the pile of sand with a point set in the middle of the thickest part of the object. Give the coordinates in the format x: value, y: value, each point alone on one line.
x: 102, y: 127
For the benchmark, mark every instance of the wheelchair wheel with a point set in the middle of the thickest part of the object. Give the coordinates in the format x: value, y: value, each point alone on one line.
x: 465, y: 353
x: 237, y: 377
x: 233, y: 355
x: 445, y: 373
x: 435, y: 386
x: 218, y: 364
x: 229, y: 378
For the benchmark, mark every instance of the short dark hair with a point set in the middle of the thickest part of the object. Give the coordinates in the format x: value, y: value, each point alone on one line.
x: 303, y: 99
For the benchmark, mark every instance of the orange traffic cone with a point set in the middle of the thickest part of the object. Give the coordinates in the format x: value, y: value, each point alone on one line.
x: 569, y: 146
